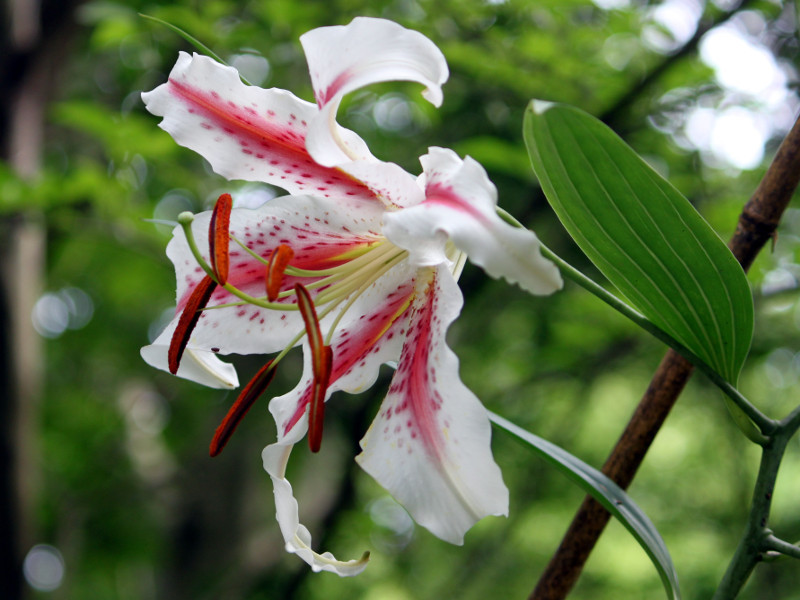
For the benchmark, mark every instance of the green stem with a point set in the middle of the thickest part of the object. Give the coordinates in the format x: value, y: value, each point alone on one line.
x: 781, y: 546
x: 757, y: 539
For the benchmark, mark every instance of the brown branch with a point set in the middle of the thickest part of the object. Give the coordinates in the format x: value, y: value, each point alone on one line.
x: 757, y: 224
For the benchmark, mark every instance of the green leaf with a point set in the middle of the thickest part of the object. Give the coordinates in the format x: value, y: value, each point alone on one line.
x: 644, y: 236
x: 192, y: 40
x: 609, y: 494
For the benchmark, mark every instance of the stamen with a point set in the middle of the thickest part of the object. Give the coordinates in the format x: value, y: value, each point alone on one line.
x: 239, y: 409
x: 321, y: 361
x: 219, y: 237
x: 306, y: 306
x: 186, y: 324
x: 278, y: 261
x: 316, y: 411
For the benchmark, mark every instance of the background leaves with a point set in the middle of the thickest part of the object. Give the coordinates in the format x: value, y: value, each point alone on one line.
x: 120, y: 481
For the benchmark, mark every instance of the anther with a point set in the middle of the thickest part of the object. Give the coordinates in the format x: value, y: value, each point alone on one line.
x: 278, y: 261
x: 316, y: 411
x: 321, y: 362
x: 219, y: 237
x: 239, y: 409
x: 188, y: 320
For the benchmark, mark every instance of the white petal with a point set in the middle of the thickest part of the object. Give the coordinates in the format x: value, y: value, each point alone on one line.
x: 246, y: 132
x: 201, y: 366
x: 342, y: 59
x: 429, y: 446
x: 297, y: 537
x: 460, y: 206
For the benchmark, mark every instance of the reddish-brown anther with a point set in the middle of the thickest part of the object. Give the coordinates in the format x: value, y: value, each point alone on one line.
x: 186, y: 324
x: 278, y: 261
x: 219, y: 237
x: 238, y: 410
x: 322, y: 364
x: 316, y: 411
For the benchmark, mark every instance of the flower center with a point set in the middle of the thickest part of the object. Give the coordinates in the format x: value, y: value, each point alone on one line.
x: 316, y: 293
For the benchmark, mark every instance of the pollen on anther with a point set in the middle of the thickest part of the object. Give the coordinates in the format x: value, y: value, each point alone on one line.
x: 219, y: 238
x: 278, y: 262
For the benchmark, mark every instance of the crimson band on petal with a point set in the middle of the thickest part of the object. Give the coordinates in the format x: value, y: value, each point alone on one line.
x: 186, y: 324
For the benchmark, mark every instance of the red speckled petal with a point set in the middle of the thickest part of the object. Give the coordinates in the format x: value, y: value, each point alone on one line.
x: 429, y: 445
x: 459, y: 206
x: 246, y: 132
x: 319, y: 231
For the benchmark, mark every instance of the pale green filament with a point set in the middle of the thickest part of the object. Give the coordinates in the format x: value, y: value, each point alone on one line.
x: 343, y: 282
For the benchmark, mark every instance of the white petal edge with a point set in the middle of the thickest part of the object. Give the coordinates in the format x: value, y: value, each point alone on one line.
x: 430, y: 444
x: 460, y: 206
x: 296, y: 535
x: 344, y: 58
x: 200, y: 366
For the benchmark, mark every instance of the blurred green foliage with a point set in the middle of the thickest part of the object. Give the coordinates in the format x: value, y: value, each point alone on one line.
x: 125, y: 489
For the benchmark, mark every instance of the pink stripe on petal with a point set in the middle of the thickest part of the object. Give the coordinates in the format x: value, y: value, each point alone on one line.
x: 246, y: 132
x: 417, y: 401
x: 446, y: 196
x: 333, y: 88
x: 272, y: 150
x: 429, y: 445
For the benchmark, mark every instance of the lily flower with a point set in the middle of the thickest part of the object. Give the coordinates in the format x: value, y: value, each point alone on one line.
x: 358, y: 264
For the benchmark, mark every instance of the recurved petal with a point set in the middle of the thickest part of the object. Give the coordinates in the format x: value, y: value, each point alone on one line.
x: 296, y: 535
x: 459, y: 205
x: 344, y: 58
x: 429, y: 446
x: 246, y: 132
x: 201, y: 366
